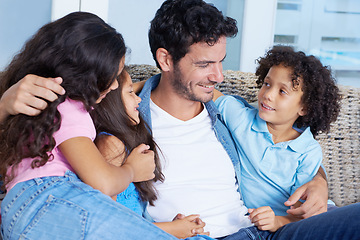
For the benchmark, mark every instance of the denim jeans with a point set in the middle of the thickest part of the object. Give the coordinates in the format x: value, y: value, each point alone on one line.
x: 339, y: 223
x: 66, y: 208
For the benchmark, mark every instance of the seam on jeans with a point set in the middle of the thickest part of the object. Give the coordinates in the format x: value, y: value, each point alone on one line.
x: 250, y: 234
x: 51, y: 200
x: 52, y: 181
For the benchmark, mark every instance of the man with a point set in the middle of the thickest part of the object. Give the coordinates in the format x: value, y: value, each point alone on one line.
x: 201, y: 167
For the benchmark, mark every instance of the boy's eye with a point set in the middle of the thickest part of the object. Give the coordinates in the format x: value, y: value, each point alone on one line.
x: 283, y: 92
x: 266, y: 84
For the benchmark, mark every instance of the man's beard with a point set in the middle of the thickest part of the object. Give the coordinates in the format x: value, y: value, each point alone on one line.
x: 184, y: 90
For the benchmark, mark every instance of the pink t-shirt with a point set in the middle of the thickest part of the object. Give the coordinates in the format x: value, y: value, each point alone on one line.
x: 75, y: 122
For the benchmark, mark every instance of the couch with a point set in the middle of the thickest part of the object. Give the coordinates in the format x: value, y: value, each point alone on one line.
x: 341, y: 146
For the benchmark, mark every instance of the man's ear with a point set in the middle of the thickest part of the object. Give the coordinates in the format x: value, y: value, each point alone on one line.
x: 164, y: 59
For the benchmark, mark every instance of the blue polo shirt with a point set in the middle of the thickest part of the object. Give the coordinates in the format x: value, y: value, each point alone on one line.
x: 270, y: 172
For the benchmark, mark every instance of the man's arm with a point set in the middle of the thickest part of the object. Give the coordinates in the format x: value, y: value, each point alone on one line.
x: 27, y: 96
x: 315, y: 194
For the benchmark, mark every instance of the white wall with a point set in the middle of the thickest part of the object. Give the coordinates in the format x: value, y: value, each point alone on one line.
x: 257, y: 32
x: 132, y: 20
x: 19, y: 20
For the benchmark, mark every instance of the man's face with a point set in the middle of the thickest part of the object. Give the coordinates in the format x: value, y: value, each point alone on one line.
x: 195, y: 75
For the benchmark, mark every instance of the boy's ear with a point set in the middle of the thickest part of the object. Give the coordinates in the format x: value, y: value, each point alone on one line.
x: 164, y: 59
x: 302, y: 111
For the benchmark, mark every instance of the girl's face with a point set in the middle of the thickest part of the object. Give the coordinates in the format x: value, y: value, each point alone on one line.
x: 130, y: 99
x: 279, y: 103
x: 115, y: 84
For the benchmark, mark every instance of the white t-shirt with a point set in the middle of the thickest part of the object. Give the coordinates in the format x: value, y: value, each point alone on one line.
x: 199, y: 175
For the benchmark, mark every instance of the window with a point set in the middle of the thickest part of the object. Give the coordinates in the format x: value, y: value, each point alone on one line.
x: 327, y: 29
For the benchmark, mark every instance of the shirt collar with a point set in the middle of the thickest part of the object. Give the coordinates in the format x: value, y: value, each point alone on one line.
x: 298, y: 145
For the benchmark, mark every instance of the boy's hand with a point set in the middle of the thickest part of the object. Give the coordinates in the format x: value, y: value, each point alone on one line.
x: 264, y: 219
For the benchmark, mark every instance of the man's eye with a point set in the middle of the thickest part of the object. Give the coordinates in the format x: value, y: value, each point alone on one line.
x: 204, y: 65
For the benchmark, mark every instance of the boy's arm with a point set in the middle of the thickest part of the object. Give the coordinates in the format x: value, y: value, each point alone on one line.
x: 265, y: 219
x: 138, y: 86
x: 217, y: 94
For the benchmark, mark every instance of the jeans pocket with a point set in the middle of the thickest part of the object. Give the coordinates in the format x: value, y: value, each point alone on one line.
x: 52, y: 221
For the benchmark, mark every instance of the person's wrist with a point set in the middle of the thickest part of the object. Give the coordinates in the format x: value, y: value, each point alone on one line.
x: 131, y: 173
x: 3, y: 112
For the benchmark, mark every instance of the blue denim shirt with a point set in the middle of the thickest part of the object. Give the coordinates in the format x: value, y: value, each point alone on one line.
x: 221, y: 132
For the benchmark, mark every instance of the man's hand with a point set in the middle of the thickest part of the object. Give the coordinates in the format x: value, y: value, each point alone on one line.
x: 27, y: 96
x: 315, y: 194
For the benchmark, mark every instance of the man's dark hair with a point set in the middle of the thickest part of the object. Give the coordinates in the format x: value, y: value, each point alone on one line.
x: 180, y: 23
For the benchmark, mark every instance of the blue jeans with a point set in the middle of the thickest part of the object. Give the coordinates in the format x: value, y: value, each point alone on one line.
x: 339, y: 223
x: 66, y: 208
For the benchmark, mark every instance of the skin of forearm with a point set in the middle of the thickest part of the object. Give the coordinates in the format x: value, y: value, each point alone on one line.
x: 283, y: 220
x: 169, y: 228
x: 321, y: 173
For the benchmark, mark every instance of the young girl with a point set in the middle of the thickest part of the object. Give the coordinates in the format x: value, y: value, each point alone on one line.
x: 44, y: 157
x: 298, y: 98
x: 121, y: 130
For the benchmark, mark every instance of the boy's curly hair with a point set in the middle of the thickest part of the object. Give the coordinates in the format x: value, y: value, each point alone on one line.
x: 321, y: 96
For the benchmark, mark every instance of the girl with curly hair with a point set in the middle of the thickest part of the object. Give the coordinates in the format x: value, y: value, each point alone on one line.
x: 298, y: 98
x: 49, y: 164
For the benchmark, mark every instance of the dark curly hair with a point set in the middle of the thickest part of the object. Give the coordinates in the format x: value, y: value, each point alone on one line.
x: 321, y: 96
x: 110, y: 116
x: 180, y: 23
x: 83, y: 50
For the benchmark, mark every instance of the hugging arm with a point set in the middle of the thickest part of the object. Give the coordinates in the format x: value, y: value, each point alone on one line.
x: 315, y: 194
x: 28, y: 96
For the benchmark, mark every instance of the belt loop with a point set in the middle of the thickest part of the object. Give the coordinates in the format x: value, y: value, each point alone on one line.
x: 38, y: 181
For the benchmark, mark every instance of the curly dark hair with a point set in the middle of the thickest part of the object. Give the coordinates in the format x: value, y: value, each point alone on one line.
x: 321, y: 96
x: 180, y: 23
x: 110, y: 116
x: 83, y: 50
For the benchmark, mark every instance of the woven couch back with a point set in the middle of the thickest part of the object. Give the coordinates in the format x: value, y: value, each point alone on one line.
x: 341, y: 146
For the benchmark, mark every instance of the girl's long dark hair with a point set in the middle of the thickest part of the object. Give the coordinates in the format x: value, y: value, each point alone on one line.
x: 110, y: 116
x: 83, y: 50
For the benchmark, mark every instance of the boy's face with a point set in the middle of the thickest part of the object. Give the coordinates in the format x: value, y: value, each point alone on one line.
x: 195, y: 75
x: 279, y: 103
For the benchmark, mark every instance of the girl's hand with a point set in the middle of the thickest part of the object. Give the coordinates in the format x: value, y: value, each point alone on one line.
x: 264, y: 219
x: 141, y: 163
x: 184, y: 226
x: 26, y: 96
